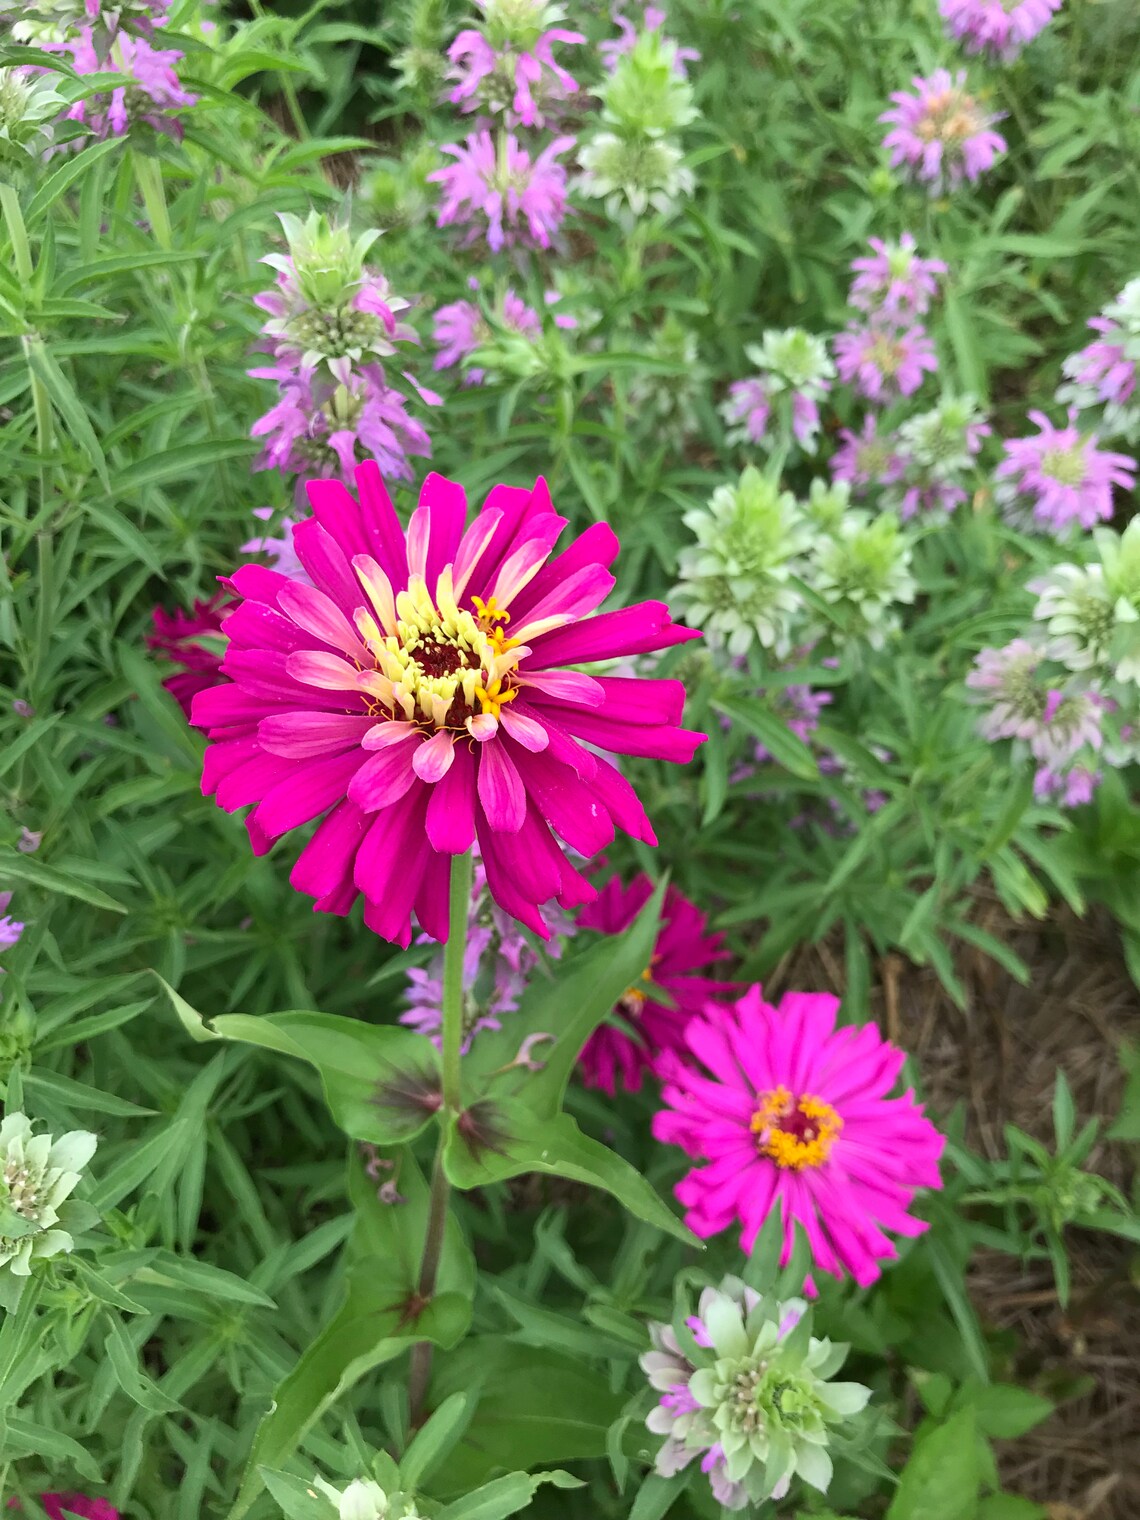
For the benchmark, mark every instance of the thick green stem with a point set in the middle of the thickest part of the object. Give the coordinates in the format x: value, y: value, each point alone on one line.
x: 453, y: 958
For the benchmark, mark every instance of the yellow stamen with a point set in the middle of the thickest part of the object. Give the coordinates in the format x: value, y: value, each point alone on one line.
x: 794, y: 1132
x: 493, y: 697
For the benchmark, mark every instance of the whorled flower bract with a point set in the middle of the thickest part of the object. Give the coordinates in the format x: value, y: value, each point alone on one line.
x: 734, y: 584
x: 751, y: 1395
x: 38, y: 1174
x: 863, y: 570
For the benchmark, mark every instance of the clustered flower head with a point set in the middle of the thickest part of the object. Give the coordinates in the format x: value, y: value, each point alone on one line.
x: 1059, y: 477
x: 29, y: 103
x: 461, y: 329
x: 941, y: 134
x: 38, y: 1174
x: 1103, y: 374
x: 499, y: 191
x: 636, y: 162
x: 750, y: 1393
x: 419, y: 696
x: 795, y: 375
x: 787, y: 1112
x: 734, y: 583
x: 937, y: 449
x: 151, y: 92
x: 894, y: 282
x: 331, y: 319
x: 498, y: 962
x: 862, y: 569
x: 613, y: 49
x: 649, y: 1025
x: 506, y: 64
x: 868, y: 458
x: 670, y: 395
x: 883, y: 361
x: 998, y: 28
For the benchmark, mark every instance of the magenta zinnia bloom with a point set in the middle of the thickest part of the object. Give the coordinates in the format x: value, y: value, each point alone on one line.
x: 522, y: 201
x: 882, y: 362
x: 941, y: 133
x: 895, y: 282
x: 416, y: 698
x: 1060, y: 477
x: 790, y: 1112
x: 61, y: 1506
x: 179, y: 635
x: 1000, y: 28
x: 684, y: 947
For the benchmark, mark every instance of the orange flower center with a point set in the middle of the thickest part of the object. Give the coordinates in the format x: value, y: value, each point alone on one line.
x: 794, y: 1132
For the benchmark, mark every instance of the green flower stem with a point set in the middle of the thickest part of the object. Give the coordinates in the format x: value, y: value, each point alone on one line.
x: 462, y: 869
x: 148, y: 177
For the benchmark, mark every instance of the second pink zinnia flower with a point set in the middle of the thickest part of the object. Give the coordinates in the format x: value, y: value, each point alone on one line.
x: 415, y: 699
x: 789, y: 1112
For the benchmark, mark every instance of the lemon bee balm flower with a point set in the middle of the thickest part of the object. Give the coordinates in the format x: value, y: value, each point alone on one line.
x: 37, y: 1176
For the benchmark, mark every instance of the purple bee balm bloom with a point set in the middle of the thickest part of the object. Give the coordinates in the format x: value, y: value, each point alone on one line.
x: 517, y: 74
x: 326, y: 430
x: 460, y: 328
x: 10, y: 929
x: 866, y: 458
x: 279, y: 550
x: 941, y: 133
x: 522, y: 200
x: 302, y: 333
x: 1008, y: 683
x: 1104, y: 365
x: 883, y: 363
x: 1060, y: 477
x: 998, y: 28
x: 895, y: 282
x: 747, y: 409
x: 151, y: 91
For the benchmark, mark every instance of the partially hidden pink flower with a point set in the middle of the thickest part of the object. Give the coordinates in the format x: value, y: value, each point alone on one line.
x: 506, y: 196
x: 460, y: 328
x: 941, y: 133
x: 788, y: 1112
x: 417, y: 697
x: 684, y: 948
x: 60, y: 1506
x: 191, y: 640
x: 867, y: 458
x: 998, y: 28
x: 518, y: 76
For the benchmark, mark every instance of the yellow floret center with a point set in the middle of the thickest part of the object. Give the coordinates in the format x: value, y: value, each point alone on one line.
x: 795, y: 1132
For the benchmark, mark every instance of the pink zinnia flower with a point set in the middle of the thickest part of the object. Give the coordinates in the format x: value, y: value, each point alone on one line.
x: 790, y: 1112
x: 1000, y: 28
x: 324, y: 428
x: 151, y: 92
x: 522, y: 201
x: 460, y: 328
x: 895, y: 282
x: 178, y: 635
x: 60, y: 1506
x: 882, y: 362
x: 866, y: 459
x: 684, y: 946
x: 416, y: 698
x: 1060, y: 477
x: 517, y: 75
x: 941, y: 133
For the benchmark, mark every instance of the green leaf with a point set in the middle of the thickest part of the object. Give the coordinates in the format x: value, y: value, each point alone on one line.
x: 297, y: 1497
x: 365, y: 1069
x: 657, y: 1495
x: 72, y: 1094
x: 506, y: 1495
x: 434, y: 1440
x: 25, y: 1438
x: 44, y: 367
x: 940, y: 1481
x: 1003, y: 1410
x: 1127, y: 1123
x: 521, y: 1141
x: 74, y: 167
x: 185, y: 461
x: 786, y: 748
x: 16, y: 867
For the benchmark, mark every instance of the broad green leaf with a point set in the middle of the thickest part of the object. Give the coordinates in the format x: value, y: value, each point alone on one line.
x: 435, y: 1438
x: 519, y: 1141
x: 1003, y: 1410
x: 505, y: 1496
x: 940, y: 1481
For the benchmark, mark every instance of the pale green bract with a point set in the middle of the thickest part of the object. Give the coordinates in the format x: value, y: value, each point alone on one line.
x: 734, y: 584
x: 863, y: 570
x: 37, y: 1175
x: 633, y: 175
x: 364, y: 1499
x: 645, y: 96
x: 28, y: 105
x: 793, y: 360
x: 1092, y: 612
